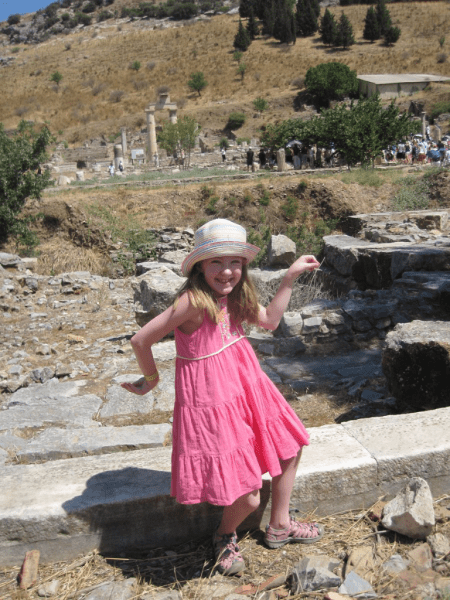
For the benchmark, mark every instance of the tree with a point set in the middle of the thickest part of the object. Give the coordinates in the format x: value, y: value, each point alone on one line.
x: 359, y: 133
x: 330, y: 81
x: 306, y: 18
x: 242, y: 68
x: 371, y: 26
x: 269, y: 16
x: 197, y: 82
x: 344, y: 36
x: 391, y: 36
x: 383, y: 17
x: 246, y: 8
x: 56, y: 77
x: 14, y: 19
x: 260, y: 104
x: 284, y: 28
x: 328, y: 28
x: 20, y: 159
x: 242, y: 38
x: 179, y: 135
x: 252, y: 26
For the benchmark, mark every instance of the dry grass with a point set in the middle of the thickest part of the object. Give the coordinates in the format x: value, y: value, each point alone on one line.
x: 189, y: 567
x: 60, y: 256
x: 173, y: 54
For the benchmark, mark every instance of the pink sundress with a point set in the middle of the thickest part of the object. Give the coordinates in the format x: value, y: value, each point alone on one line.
x: 231, y: 424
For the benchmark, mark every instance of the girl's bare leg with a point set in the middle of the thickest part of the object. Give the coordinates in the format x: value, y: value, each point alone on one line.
x: 281, y: 492
x: 234, y: 514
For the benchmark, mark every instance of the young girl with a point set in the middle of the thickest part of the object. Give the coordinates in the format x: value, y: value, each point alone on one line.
x: 230, y: 424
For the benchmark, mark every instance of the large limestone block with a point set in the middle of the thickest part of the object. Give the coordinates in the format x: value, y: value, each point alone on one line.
x: 407, y: 445
x: 154, y: 292
x: 341, y: 252
x: 411, y: 512
x: 416, y: 363
x: 281, y: 250
x: 344, y: 476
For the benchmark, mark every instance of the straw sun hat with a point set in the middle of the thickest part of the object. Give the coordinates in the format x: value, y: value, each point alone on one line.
x: 219, y: 237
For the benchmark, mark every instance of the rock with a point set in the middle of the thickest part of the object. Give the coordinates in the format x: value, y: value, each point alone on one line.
x: 360, y: 561
x: 313, y: 573
x: 154, y: 292
x: 164, y: 595
x: 114, y: 590
x: 29, y: 570
x: 416, y: 364
x: 411, y: 511
x: 9, y: 260
x: 421, y: 557
x: 121, y: 402
x: 354, y: 585
x: 439, y: 544
x: 281, y: 250
x: 48, y: 589
x: 396, y: 564
x: 291, y: 324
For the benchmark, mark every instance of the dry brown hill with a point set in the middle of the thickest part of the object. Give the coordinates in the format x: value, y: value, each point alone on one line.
x: 100, y: 93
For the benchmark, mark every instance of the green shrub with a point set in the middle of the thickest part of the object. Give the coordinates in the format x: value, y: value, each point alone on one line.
x: 265, y: 198
x: 259, y: 237
x: 15, y: 50
x: 290, y: 207
x: 235, y: 120
x: 211, y: 206
x: 88, y: 8
x: 247, y: 197
x: 439, y: 108
x: 413, y: 195
x: 135, y: 65
x: 13, y: 19
x: 184, y: 10
x: 223, y: 143
x: 104, y: 15
x: 240, y: 140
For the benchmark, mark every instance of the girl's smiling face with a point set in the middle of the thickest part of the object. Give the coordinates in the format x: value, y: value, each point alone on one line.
x: 222, y: 273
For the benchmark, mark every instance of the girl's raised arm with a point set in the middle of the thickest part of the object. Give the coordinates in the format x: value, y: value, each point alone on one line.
x: 152, y: 333
x: 270, y: 317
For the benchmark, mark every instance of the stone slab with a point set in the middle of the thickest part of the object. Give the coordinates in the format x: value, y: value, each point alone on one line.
x: 53, y: 444
x: 336, y: 473
x: 50, y: 410
x: 405, y: 446
x: 121, y: 502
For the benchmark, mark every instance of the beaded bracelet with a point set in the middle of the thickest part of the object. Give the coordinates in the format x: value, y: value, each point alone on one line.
x: 151, y: 377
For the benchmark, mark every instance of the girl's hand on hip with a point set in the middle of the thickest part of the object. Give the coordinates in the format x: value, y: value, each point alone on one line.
x: 141, y: 386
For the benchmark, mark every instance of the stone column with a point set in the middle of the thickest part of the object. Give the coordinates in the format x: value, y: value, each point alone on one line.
x: 118, y: 155
x: 437, y: 137
x: 173, y: 116
x: 123, y: 132
x: 281, y: 159
x: 151, y: 133
x: 424, y: 125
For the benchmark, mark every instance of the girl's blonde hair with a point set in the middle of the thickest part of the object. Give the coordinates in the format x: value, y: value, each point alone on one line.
x: 242, y: 301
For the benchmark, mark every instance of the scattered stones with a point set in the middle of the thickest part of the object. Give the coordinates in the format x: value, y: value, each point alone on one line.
x: 49, y: 589
x: 439, y: 544
x: 356, y: 586
x: 114, y: 590
x: 411, y: 511
x: 313, y: 573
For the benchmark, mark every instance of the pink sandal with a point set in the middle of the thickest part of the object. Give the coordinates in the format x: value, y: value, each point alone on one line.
x: 300, y: 533
x: 226, y: 551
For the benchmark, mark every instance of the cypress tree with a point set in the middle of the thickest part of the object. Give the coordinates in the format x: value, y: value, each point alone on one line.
x: 306, y: 18
x: 344, y: 35
x: 391, y: 36
x: 371, y: 27
x: 316, y: 7
x: 383, y: 17
x: 242, y: 39
x: 269, y: 17
x: 246, y: 7
x: 328, y: 28
x: 252, y: 26
x: 284, y: 27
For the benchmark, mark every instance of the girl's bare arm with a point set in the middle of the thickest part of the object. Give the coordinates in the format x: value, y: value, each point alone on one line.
x: 152, y: 333
x: 270, y: 317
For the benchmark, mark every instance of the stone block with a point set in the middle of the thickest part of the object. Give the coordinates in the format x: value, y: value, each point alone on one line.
x: 405, y: 446
x: 416, y: 363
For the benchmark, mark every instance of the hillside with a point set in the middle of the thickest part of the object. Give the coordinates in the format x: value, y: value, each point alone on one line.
x: 99, y: 93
